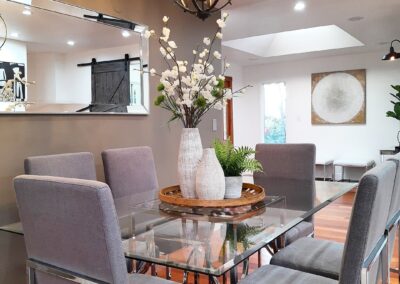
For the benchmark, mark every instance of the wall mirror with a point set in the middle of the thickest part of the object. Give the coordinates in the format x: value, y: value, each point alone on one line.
x: 64, y: 59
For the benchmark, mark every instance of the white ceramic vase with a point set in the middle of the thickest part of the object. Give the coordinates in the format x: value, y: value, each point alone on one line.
x: 190, y: 153
x: 210, y: 180
x: 233, y: 187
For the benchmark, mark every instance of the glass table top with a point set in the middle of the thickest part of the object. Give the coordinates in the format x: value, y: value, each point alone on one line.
x: 209, y: 241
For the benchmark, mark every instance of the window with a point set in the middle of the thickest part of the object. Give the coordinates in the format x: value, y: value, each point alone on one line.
x: 274, y: 113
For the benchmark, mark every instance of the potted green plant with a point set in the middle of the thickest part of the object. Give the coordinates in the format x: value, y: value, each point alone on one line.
x: 234, y: 162
x: 396, y: 111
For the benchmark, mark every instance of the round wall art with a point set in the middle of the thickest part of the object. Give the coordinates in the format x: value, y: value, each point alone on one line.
x: 338, y: 97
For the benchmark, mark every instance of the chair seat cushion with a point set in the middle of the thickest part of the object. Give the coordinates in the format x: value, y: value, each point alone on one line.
x: 281, y: 275
x: 137, y: 278
x: 303, y: 229
x: 310, y: 255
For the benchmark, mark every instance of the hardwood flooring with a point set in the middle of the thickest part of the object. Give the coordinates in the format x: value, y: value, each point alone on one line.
x: 330, y: 224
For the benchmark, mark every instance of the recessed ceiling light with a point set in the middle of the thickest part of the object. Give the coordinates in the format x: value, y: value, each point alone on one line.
x: 14, y: 35
x: 355, y: 19
x: 71, y: 43
x: 27, y: 12
x: 126, y: 34
x: 300, y: 6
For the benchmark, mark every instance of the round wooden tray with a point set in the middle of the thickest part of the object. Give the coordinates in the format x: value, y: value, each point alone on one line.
x: 251, y: 194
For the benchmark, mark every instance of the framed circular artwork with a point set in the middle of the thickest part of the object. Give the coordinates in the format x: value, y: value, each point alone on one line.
x: 339, y: 97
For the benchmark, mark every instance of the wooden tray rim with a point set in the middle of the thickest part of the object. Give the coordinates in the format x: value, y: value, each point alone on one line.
x: 188, y: 202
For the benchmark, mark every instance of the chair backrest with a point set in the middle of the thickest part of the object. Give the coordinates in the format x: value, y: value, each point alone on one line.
x: 394, y: 203
x: 71, y: 224
x: 131, y: 171
x: 289, y: 171
x: 71, y: 165
x: 368, y: 219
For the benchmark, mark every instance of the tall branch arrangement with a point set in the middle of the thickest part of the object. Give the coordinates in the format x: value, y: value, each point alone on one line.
x: 189, y: 91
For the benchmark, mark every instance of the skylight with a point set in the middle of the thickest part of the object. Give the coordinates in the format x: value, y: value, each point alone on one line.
x: 295, y: 42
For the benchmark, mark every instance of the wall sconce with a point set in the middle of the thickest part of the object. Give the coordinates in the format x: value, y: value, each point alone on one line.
x: 392, y: 55
x: 201, y: 8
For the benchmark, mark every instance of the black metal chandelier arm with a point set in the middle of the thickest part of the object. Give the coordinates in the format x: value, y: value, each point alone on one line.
x: 6, y: 31
x: 393, y: 41
x: 220, y: 8
x: 197, y: 6
x: 185, y: 8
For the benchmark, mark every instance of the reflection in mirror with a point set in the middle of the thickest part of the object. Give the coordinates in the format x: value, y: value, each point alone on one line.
x: 63, y: 59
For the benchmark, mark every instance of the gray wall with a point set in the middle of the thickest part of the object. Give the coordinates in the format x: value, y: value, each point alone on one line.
x: 25, y: 135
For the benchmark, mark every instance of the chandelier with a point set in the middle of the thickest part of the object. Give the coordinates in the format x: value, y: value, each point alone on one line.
x: 3, y: 35
x: 201, y: 8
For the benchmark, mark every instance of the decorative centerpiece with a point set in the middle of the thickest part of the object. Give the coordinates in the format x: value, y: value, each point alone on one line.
x: 396, y: 112
x: 234, y: 162
x: 189, y: 91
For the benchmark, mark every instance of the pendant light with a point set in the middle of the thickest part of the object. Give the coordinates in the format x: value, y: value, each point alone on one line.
x: 392, y: 55
x: 202, y: 8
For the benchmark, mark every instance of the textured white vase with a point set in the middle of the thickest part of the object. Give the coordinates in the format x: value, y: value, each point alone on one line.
x: 233, y: 187
x: 210, y: 180
x: 190, y: 153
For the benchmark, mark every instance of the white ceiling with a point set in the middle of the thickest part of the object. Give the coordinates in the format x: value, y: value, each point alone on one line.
x: 45, y: 31
x: 249, y: 18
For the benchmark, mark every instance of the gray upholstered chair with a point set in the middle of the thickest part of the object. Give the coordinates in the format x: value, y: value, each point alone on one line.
x: 70, y: 226
x: 332, y: 260
x: 131, y: 171
x: 393, y: 225
x: 289, y: 171
x: 71, y: 165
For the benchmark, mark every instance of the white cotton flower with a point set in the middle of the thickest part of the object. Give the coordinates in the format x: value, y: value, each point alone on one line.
x: 152, y: 71
x: 200, y: 61
x: 225, y: 15
x: 182, y: 69
x: 194, y: 52
x: 165, y: 19
x: 163, y: 51
x: 166, y: 32
x: 172, y: 44
x: 221, y: 77
x: 221, y: 23
x: 210, y: 69
x: 227, y: 65
x: 207, y: 41
x: 219, y: 35
x: 186, y: 62
x: 219, y: 106
x: 228, y: 94
x: 217, y: 55
x: 147, y: 34
x: 202, y: 54
x: 169, y: 49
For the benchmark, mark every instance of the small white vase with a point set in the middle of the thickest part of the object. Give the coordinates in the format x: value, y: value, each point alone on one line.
x: 210, y: 180
x: 233, y: 187
x: 190, y: 153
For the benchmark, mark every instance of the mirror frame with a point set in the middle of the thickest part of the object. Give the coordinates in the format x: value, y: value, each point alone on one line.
x: 66, y: 9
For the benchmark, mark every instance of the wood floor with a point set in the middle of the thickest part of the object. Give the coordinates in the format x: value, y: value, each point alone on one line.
x: 330, y: 224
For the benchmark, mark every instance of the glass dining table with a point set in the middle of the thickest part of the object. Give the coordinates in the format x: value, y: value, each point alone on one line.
x: 209, y: 241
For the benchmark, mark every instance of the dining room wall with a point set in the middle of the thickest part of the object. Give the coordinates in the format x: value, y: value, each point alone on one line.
x: 28, y: 135
x: 333, y: 141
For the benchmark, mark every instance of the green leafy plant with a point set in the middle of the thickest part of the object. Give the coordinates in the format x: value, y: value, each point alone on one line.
x: 242, y: 233
x: 396, y: 104
x: 396, y: 107
x: 235, y: 161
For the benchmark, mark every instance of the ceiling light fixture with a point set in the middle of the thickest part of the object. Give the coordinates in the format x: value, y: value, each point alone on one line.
x: 71, y: 43
x: 27, y: 12
x: 126, y: 34
x: 392, y: 55
x: 300, y: 6
x: 201, y: 8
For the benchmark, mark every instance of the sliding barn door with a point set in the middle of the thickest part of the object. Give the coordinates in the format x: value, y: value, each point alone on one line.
x: 110, y: 86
